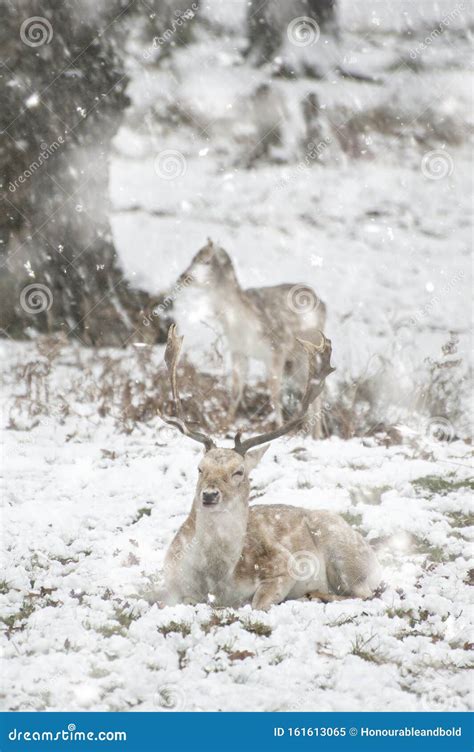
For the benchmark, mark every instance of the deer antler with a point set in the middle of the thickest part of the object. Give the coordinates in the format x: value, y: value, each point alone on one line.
x: 173, y: 349
x: 314, y: 387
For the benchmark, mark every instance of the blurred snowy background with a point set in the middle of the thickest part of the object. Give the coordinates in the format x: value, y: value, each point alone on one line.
x: 334, y: 152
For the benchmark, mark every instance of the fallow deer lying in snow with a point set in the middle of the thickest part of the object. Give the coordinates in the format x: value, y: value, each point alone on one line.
x: 230, y: 554
x: 261, y: 323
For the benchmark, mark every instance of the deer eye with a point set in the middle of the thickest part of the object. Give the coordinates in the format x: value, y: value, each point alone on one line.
x: 237, y: 473
x: 199, y: 470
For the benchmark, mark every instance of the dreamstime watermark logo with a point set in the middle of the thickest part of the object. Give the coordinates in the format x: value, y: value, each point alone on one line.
x: 431, y: 700
x: 180, y: 20
x: 169, y: 300
x: 302, y: 299
x: 177, y: 556
x: 36, y: 298
x: 170, y: 164
x: 438, y: 31
x: 36, y: 31
x: 170, y: 697
x: 437, y: 164
x: 170, y: 436
x: 436, y: 300
x: 439, y: 429
x: 303, y: 31
x: 303, y: 565
x: 70, y: 734
x: 313, y: 152
x: 46, y: 152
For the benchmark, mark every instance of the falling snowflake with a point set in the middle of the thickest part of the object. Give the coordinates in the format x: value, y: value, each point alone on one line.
x: 28, y: 268
x: 32, y: 100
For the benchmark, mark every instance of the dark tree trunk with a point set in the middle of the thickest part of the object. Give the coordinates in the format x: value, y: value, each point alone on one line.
x: 62, y: 89
x: 268, y: 23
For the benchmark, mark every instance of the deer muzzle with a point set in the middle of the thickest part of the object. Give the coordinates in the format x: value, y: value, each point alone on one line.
x: 211, y: 497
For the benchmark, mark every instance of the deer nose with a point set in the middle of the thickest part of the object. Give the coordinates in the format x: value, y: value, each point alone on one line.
x: 210, y: 497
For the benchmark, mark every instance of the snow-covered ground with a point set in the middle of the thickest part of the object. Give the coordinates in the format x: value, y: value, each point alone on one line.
x: 90, y: 510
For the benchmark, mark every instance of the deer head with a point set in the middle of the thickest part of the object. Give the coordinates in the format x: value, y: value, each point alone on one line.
x: 224, y: 473
x: 223, y: 480
x: 211, y: 267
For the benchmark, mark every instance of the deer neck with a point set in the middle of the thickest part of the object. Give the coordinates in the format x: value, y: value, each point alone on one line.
x: 228, y: 302
x: 220, y: 536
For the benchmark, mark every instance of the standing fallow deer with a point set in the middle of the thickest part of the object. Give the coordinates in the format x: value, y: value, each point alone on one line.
x: 262, y: 323
x: 229, y: 554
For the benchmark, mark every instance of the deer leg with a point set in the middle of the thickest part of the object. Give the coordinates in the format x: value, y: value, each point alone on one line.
x: 239, y: 368
x: 316, y: 419
x: 271, y: 592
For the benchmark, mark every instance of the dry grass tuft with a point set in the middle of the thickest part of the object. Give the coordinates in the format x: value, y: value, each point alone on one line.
x: 131, y: 387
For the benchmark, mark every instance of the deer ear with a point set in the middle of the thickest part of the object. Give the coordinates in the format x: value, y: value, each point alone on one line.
x: 253, y: 458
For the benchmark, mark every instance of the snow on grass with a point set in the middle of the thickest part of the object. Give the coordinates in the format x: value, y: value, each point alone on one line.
x: 89, y: 513
x: 89, y: 510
